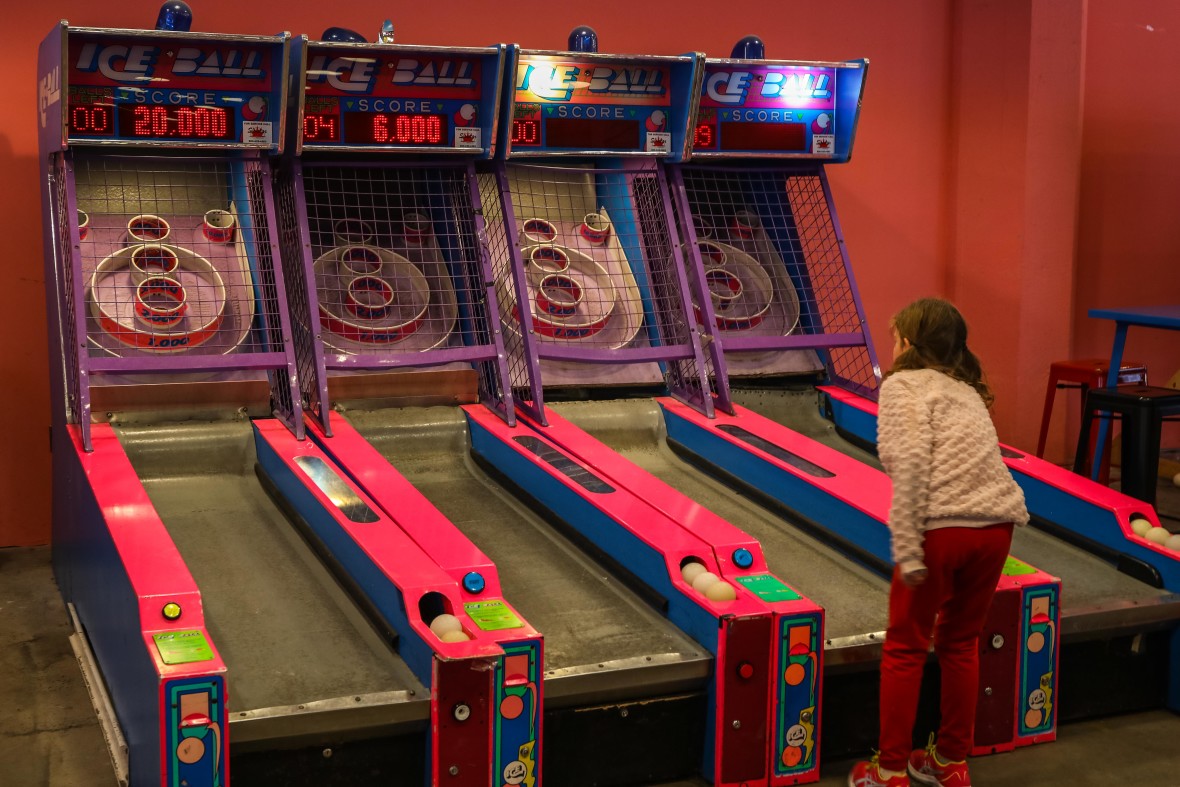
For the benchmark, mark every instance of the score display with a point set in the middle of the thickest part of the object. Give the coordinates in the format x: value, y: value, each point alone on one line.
x: 167, y: 89
x: 774, y: 108
x: 780, y: 137
x: 576, y: 133
x: 564, y: 103
x: 377, y: 128
x: 151, y: 121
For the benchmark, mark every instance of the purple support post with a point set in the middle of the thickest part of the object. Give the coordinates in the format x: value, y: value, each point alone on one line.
x: 505, y: 406
x: 536, y: 407
x: 693, y: 262
x: 81, y: 408
x: 705, y: 403
x: 289, y: 407
x: 868, y: 339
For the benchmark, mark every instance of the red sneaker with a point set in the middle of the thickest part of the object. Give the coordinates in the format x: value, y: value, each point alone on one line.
x: 926, y: 767
x: 868, y: 774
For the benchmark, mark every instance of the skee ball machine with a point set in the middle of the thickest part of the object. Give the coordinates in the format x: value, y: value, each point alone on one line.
x: 380, y: 239
x: 592, y: 295
x: 168, y: 315
x: 775, y: 292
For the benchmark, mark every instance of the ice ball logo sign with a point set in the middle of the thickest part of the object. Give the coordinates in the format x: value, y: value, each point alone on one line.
x: 562, y: 81
x: 794, y: 86
x: 137, y: 63
x: 359, y: 75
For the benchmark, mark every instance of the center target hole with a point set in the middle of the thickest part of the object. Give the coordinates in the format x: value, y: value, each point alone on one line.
x: 724, y: 287
x: 160, y: 301
x: 711, y: 253
x: 550, y: 259
x: 369, y: 297
x: 559, y: 295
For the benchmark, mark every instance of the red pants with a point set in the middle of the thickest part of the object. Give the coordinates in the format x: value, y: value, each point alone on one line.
x: 964, y: 565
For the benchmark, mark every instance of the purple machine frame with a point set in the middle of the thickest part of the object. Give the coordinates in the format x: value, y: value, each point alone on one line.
x: 154, y: 265
x: 426, y: 220
x: 779, y: 218
x: 598, y: 325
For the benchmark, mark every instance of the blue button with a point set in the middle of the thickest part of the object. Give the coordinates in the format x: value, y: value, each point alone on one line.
x: 742, y: 558
x: 474, y: 583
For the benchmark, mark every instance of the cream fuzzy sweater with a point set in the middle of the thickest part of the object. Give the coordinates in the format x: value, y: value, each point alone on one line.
x: 939, y: 447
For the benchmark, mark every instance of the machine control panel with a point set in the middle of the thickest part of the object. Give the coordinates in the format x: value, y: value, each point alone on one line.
x: 572, y: 103
x: 778, y: 109
x: 144, y: 87
x: 393, y: 97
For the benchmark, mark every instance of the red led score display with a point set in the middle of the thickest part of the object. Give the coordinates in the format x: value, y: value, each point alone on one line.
x: 578, y: 133
x: 151, y: 121
x: 377, y: 128
x: 768, y: 137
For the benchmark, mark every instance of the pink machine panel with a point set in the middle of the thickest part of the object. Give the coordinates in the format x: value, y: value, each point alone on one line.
x: 485, y: 659
x: 175, y: 651
x: 1026, y: 609
x: 786, y: 677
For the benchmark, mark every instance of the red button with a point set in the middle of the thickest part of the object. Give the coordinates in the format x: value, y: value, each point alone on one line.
x: 745, y: 670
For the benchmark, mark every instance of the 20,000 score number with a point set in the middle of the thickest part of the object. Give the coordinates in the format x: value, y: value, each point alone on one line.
x: 157, y: 121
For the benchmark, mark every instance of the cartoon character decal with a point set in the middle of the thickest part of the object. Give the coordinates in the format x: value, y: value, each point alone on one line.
x: 798, y: 698
x: 1038, y: 661
x: 518, y: 717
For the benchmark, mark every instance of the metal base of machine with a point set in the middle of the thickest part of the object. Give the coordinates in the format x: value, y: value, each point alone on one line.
x: 112, y: 733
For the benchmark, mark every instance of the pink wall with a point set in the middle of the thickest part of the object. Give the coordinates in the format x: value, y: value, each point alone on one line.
x: 1129, y: 212
x: 917, y: 203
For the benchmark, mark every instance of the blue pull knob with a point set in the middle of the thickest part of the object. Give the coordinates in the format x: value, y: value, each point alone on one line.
x: 342, y: 35
x: 175, y: 15
x: 749, y: 48
x: 742, y: 558
x: 583, y: 39
x: 473, y: 582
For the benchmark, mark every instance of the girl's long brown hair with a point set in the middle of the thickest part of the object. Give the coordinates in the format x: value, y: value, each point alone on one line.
x: 937, y: 334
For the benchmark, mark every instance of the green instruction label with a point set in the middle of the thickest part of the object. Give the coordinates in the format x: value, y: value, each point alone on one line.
x: 768, y: 588
x: 492, y: 615
x: 1015, y: 568
x: 183, y: 647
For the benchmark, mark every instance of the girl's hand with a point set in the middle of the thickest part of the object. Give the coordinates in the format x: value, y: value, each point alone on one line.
x: 914, y: 578
x: 913, y: 573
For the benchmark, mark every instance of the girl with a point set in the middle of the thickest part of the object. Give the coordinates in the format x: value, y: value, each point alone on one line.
x: 951, y: 517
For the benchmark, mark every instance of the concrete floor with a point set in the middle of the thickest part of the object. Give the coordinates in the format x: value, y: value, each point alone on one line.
x: 49, y: 736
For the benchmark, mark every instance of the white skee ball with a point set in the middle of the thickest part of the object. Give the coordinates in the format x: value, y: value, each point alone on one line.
x: 1158, y: 535
x: 703, y: 580
x: 445, y: 623
x: 691, y: 571
x: 454, y: 636
x: 1141, y: 526
x: 1173, y: 543
x: 720, y: 591
x: 1176, y: 479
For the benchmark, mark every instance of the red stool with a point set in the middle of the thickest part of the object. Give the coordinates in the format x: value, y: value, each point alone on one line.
x: 1086, y: 373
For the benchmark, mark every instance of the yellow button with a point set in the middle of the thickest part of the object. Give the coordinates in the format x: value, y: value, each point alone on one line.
x: 171, y: 610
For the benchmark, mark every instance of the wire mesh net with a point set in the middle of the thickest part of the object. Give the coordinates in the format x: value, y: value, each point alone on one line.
x: 493, y: 194
x: 589, y: 281
x: 308, y: 357
x: 63, y: 314
x: 396, y: 263
x: 773, y: 267
x: 176, y: 260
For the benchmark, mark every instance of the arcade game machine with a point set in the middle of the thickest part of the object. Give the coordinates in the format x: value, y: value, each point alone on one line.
x: 381, y: 273
x: 749, y: 300
x: 774, y: 437
x: 210, y: 632
x: 592, y: 297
